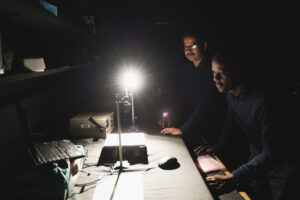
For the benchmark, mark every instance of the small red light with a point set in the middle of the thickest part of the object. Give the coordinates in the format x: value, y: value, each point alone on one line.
x: 165, y: 114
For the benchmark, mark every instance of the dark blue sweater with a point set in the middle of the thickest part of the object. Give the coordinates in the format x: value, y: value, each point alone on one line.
x: 201, y: 102
x: 259, y: 120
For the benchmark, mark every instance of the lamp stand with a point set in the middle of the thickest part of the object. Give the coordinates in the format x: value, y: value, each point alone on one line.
x: 119, y: 164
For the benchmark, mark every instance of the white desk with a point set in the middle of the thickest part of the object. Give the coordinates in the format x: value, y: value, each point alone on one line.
x: 183, y: 183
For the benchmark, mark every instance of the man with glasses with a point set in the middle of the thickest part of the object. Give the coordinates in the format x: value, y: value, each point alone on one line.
x: 200, y: 105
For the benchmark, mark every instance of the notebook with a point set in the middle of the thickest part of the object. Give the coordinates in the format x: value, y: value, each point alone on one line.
x: 206, y: 164
x: 50, y: 151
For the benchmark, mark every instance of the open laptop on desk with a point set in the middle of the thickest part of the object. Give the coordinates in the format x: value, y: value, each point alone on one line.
x: 46, y: 152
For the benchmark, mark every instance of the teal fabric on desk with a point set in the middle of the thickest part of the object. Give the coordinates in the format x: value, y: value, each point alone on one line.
x: 34, y: 183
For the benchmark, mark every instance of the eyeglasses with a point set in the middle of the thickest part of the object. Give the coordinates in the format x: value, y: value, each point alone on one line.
x: 190, y: 48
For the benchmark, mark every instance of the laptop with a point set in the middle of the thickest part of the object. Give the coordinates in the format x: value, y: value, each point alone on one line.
x: 46, y: 152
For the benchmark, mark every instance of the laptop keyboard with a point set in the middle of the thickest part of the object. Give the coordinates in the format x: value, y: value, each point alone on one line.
x: 70, y: 149
x: 56, y: 150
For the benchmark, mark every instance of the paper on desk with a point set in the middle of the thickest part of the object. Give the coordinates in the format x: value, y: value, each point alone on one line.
x: 206, y: 164
x: 127, y: 186
x: 128, y: 139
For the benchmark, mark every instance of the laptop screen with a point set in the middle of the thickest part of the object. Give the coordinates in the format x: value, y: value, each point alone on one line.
x: 26, y: 131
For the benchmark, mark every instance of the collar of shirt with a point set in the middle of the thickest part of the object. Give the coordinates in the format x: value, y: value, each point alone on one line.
x: 203, y: 64
x: 240, y: 96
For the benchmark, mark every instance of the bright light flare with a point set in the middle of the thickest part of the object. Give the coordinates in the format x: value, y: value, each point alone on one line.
x: 131, y: 79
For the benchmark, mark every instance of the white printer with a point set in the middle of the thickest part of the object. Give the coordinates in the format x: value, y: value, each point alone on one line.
x: 92, y: 125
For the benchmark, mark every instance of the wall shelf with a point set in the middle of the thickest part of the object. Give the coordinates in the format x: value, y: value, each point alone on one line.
x: 31, y: 31
x: 4, y: 80
x: 20, y: 86
x: 69, y: 83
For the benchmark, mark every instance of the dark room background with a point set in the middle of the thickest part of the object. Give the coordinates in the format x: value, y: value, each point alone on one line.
x: 146, y: 34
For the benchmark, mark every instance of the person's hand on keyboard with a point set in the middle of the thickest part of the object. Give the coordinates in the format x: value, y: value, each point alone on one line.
x: 222, y: 183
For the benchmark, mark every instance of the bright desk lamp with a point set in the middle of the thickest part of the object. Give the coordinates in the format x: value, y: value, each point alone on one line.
x: 133, y: 144
x: 130, y: 81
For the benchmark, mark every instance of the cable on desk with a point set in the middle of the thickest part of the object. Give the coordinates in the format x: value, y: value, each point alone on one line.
x: 95, y: 181
x: 89, y: 165
x: 94, y: 173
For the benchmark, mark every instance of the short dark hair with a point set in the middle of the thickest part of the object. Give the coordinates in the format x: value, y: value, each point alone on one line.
x: 232, y: 61
x: 199, y: 36
x: 232, y: 55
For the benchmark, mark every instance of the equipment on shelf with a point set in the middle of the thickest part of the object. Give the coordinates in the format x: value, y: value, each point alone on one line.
x: 92, y: 125
x: 34, y: 64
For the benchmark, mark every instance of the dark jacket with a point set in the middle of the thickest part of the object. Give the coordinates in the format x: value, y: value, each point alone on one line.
x: 201, y: 104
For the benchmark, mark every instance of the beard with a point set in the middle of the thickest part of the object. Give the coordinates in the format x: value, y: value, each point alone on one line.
x: 190, y: 57
x: 221, y: 87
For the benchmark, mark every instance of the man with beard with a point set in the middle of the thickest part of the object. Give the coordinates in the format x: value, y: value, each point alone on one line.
x: 271, y: 168
x: 200, y: 106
